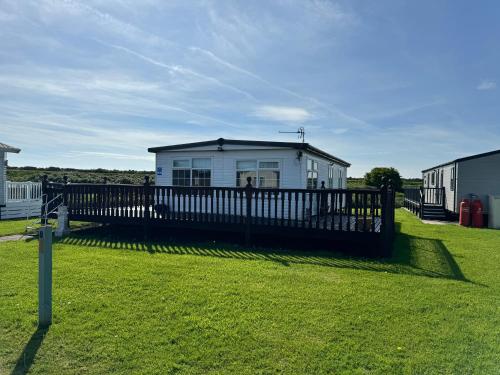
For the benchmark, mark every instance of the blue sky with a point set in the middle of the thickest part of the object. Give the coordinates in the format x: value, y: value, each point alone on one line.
x: 93, y: 84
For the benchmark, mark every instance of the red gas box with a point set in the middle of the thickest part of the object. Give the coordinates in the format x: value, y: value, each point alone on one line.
x: 464, y: 212
x: 477, y: 213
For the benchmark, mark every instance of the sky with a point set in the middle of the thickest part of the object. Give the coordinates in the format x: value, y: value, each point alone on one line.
x: 93, y: 84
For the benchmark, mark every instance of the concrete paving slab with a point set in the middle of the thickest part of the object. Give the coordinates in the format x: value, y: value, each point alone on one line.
x: 15, y: 237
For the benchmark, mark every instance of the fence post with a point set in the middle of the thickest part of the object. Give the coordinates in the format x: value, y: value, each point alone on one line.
x: 147, y: 214
x: 45, y: 276
x: 248, y: 220
x: 324, y: 200
x: 422, y: 202
x: 45, y: 198
x: 66, y: 200
x: 443, y: 197
x: 392, y: 205
x: 387, y: 195
x: 65, y: 192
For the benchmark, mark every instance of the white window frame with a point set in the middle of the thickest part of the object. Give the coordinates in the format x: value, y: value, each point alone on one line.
x: 331, y: 172
x: 190, y: 168
x: 341, y: 181
x: 313, y: 171
x: 257, y: 170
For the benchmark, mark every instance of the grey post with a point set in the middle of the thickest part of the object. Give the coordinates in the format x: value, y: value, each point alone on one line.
x: 45, y: 276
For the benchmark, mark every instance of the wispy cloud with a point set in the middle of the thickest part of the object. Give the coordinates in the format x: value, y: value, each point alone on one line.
x: 330, y: 108
x: 178, y: 69
x: 282, y: 114
x: 396, y: 112
x: 487, y: 85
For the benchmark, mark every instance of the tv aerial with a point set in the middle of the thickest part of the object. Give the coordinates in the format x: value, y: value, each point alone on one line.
x: 300, y: 131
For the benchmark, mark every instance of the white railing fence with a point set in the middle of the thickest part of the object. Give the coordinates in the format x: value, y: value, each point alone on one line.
x: 23, y: 191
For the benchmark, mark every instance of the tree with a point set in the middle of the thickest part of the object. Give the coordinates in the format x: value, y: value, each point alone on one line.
x: 377, y: 175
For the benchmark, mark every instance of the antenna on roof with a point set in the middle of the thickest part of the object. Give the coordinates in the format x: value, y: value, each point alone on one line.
x: 300, y: 131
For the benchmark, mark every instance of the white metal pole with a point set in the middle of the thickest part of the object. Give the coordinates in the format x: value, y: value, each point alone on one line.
x: 45, y: 276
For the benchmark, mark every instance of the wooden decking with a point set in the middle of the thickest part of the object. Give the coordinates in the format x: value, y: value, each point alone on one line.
x: 329, y: 214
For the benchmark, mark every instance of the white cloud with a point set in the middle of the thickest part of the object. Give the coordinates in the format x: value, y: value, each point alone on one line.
x: 328, y: 10
x: 174, y: 69
x: 487, y: 85
x: 286, y: 114
x: 337, y: 113
x: 340, y: 131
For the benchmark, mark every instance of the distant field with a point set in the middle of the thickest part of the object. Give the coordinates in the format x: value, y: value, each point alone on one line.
x: 123, y: 177
x: 354, y: 182
x: 78, y: 175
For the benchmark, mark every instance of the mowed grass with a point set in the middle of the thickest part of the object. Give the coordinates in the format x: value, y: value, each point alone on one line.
x: 175, y: 307
x: 18, y: 226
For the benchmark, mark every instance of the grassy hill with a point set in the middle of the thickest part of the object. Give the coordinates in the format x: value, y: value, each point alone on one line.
x: 78, y: 175
x: 357, y: 182
x: 123, y: 177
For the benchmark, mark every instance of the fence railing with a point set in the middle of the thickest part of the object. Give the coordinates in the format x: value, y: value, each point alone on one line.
x: 416, y: 198
x: 23, y: 191
x: 248, y: 208
x: 434, y: 196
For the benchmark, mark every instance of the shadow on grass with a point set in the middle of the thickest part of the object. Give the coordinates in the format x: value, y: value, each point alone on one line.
x: 412, y: 255
x: 28, y: 354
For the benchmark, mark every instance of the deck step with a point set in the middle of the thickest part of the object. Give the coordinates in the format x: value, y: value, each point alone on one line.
x: 432, y: 212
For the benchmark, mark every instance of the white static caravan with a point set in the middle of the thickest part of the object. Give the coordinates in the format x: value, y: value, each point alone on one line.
x: 228, y: 163
x: 477, y: 174
x: 17, y: 199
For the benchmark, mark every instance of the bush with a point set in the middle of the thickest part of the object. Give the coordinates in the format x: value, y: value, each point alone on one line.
x: 377, y: 176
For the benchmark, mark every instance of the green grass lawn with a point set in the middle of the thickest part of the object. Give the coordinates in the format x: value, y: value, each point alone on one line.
x: 18, y: 226
x: 129, y: 307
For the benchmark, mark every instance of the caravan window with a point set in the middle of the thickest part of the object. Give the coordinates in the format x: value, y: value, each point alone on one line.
x: 181, y: 173
x: 330, y: 176
x: 201, y: 172
x: 264, y: 174
x: 312, y: 174
x: 192, y: 172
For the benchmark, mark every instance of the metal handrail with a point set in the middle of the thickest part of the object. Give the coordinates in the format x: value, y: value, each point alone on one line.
x: 45, y: 213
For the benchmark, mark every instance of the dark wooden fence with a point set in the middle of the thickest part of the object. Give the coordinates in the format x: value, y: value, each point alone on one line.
x: 323, y: 213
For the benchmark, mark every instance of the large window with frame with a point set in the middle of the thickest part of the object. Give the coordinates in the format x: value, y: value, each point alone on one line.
x: 264, y: 174
x: 191, y: 172
x: 330, y: 176
x: 433, y: 178
x: 340, y: 179
x: 312, y: 174
x: 201, y: 172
